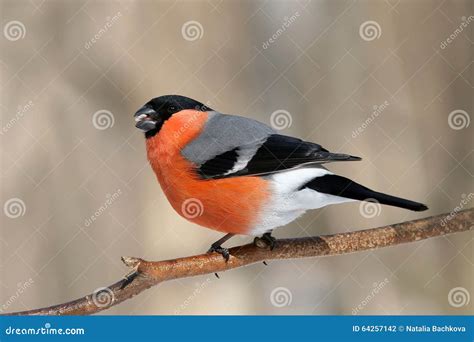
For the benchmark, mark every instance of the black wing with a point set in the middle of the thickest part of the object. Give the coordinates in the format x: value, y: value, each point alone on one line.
x: 277, y: 153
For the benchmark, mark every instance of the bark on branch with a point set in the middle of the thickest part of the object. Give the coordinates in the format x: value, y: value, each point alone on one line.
x: 146, y: 274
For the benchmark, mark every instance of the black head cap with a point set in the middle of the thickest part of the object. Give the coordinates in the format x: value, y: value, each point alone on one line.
x: 155, y: 112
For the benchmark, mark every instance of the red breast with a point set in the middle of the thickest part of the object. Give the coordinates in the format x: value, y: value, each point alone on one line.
x: 229, y: 205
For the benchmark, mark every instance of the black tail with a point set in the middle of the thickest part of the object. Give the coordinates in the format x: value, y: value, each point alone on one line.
x: 344, y: 187
x: 340, y: 157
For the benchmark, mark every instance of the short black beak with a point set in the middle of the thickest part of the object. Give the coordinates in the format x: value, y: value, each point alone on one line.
x: 144, y: 119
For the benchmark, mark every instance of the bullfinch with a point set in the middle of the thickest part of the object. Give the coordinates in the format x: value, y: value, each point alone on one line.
x: 241, y: 176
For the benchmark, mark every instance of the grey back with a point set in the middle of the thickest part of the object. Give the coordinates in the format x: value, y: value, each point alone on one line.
x: 224, y: 133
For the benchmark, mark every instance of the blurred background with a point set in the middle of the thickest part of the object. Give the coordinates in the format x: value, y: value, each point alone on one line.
x: 390, y: 81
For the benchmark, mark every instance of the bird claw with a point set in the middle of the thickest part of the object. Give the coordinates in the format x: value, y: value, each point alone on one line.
x: 265, y: 240
x: 128, y: 278
x: 221, y: 250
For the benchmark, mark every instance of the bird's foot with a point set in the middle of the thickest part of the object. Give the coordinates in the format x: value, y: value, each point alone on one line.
x: 221, y: 250
x: 129, y: 278
x: 265, y: 240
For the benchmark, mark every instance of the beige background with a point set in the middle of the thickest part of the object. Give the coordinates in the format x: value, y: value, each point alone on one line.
x: 319, y: 69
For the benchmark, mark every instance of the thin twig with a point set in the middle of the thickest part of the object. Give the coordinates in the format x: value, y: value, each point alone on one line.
x: 146, y: 274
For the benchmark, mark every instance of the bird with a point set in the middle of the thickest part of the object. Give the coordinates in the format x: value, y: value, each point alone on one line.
x: 239, y: 176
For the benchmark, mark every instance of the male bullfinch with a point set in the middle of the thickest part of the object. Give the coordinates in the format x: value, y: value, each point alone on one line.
x: 246, y: 178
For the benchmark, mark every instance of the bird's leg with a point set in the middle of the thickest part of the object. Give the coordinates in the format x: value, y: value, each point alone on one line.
x: 265, y: 240
x: 216, y: 247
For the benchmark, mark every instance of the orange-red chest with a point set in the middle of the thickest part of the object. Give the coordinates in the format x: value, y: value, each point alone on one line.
x: 230, y: 205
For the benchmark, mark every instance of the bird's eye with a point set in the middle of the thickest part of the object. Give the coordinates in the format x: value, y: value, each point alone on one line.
x: 171, y: 109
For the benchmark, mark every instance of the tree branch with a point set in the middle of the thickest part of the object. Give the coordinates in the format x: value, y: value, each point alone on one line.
x: 146, y: 274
